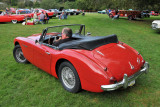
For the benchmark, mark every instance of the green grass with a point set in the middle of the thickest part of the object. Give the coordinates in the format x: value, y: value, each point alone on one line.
x: 24, y: 85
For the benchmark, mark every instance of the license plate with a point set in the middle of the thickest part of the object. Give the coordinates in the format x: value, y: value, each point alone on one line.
x: 131, y: 83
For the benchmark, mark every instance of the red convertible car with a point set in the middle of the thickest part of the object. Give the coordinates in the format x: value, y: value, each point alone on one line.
x: 11, y: 18
x: 95, y: 64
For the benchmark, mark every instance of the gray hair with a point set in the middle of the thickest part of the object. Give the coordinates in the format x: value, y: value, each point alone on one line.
x: 68, y: 32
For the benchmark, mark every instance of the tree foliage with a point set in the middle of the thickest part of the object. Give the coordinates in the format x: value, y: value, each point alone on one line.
x: 36, y: 4
x: 120, y: 4
x: 50, y: 4
x: 89, y: 4
x: 21, y: 5
x: 28, y: 3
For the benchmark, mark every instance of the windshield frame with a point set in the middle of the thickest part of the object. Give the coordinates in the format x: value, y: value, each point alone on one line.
x: 82, y: 27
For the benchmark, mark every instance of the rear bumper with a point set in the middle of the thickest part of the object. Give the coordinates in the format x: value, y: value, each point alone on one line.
x: 126, y: 80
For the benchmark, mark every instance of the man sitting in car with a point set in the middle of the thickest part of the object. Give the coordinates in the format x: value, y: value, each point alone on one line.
x: 66, y: 36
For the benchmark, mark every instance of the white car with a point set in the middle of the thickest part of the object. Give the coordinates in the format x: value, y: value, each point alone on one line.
x: 156, y: 24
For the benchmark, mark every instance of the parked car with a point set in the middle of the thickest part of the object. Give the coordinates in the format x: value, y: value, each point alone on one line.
x: 75, y: 11
x: 95, y: 64
x: 130, y: 14
x: 69, y: 12
x: 11, y: 18
x: 102, y: 12
x: 60, y: 10
x: 145, y: 13
x: 50, y: 14
x: 55, y: 11
x: 154, y: 13
x: 156, y: 24
x: 12, y: 10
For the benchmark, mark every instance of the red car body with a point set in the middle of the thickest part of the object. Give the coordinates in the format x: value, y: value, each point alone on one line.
x: 98, y: 69
x: 130, y: 14
x: 11, y: 18
x: 12, y: 10
x: 153, y: 13
x: 50, y: 14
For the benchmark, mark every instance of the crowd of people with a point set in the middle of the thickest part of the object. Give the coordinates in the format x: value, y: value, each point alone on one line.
x: 36, y: 16
x: 43, y: 18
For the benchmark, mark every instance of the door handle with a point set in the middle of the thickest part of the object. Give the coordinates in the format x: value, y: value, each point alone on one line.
x: 47, y: 53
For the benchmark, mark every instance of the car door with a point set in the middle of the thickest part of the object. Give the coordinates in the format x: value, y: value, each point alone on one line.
x: 27, y: 49
x: 42, y: 57
x: 5, y: 18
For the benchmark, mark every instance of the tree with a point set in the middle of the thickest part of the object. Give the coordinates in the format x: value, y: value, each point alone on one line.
x: 21, y: 5
x: 36, y: 4
x: 50, y: 4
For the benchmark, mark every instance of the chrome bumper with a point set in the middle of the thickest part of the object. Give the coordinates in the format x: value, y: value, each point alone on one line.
x: 126, y: 80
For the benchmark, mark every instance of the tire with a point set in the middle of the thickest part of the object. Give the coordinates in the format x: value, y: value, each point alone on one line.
x: 69, y: 77
x: 18, y: 55
x: 130, y: 17
x: 14, y: 21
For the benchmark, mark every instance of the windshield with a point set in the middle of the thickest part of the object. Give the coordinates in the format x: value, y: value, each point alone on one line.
x: 77, y: 30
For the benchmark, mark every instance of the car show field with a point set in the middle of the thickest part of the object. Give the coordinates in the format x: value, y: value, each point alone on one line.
x: 26, y: 85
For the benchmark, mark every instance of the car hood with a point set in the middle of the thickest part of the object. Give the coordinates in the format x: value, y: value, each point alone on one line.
x: 119, y: 59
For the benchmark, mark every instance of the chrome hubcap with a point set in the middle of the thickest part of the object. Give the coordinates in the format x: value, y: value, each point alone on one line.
x: 19, y: 55
x: 68, y: 77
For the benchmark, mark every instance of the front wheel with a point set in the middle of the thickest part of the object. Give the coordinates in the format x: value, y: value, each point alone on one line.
x: 69, y: 77
x: 18, y: 55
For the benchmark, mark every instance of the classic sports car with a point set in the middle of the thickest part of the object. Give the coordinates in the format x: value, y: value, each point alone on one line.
x: 11, y: 18
x: 102, y: 12
x: 95, y: 64
x: 154, y: 13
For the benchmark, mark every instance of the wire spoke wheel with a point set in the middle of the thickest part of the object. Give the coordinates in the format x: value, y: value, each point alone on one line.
x: 68, y: 77
x: 18, y: 55
x: 14, y: 21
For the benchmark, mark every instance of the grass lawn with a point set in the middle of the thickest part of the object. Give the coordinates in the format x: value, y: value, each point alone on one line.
x: 24, y: 85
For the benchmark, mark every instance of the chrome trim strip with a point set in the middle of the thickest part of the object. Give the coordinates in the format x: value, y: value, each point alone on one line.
x: 126, y: 79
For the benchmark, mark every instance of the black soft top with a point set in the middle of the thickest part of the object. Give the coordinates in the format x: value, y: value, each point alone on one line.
x: 88, y: 42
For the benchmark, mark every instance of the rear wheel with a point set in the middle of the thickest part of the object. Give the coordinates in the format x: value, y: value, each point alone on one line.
x: 18, y: 55
x: 14, y: 21
x: 69, y: 77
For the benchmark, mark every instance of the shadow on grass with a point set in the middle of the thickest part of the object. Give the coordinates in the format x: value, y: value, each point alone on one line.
x: 4, y: 22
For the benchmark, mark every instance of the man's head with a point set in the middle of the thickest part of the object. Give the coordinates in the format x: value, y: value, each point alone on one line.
x: 66, y: 33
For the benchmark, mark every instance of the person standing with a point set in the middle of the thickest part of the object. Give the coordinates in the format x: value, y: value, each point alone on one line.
x: 46, y: 18
x: 35, y: 17
x: 41, y: 17
x: 7, y: 10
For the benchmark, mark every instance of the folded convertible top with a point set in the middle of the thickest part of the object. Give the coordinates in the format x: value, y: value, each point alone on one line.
x: 88, y: 42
